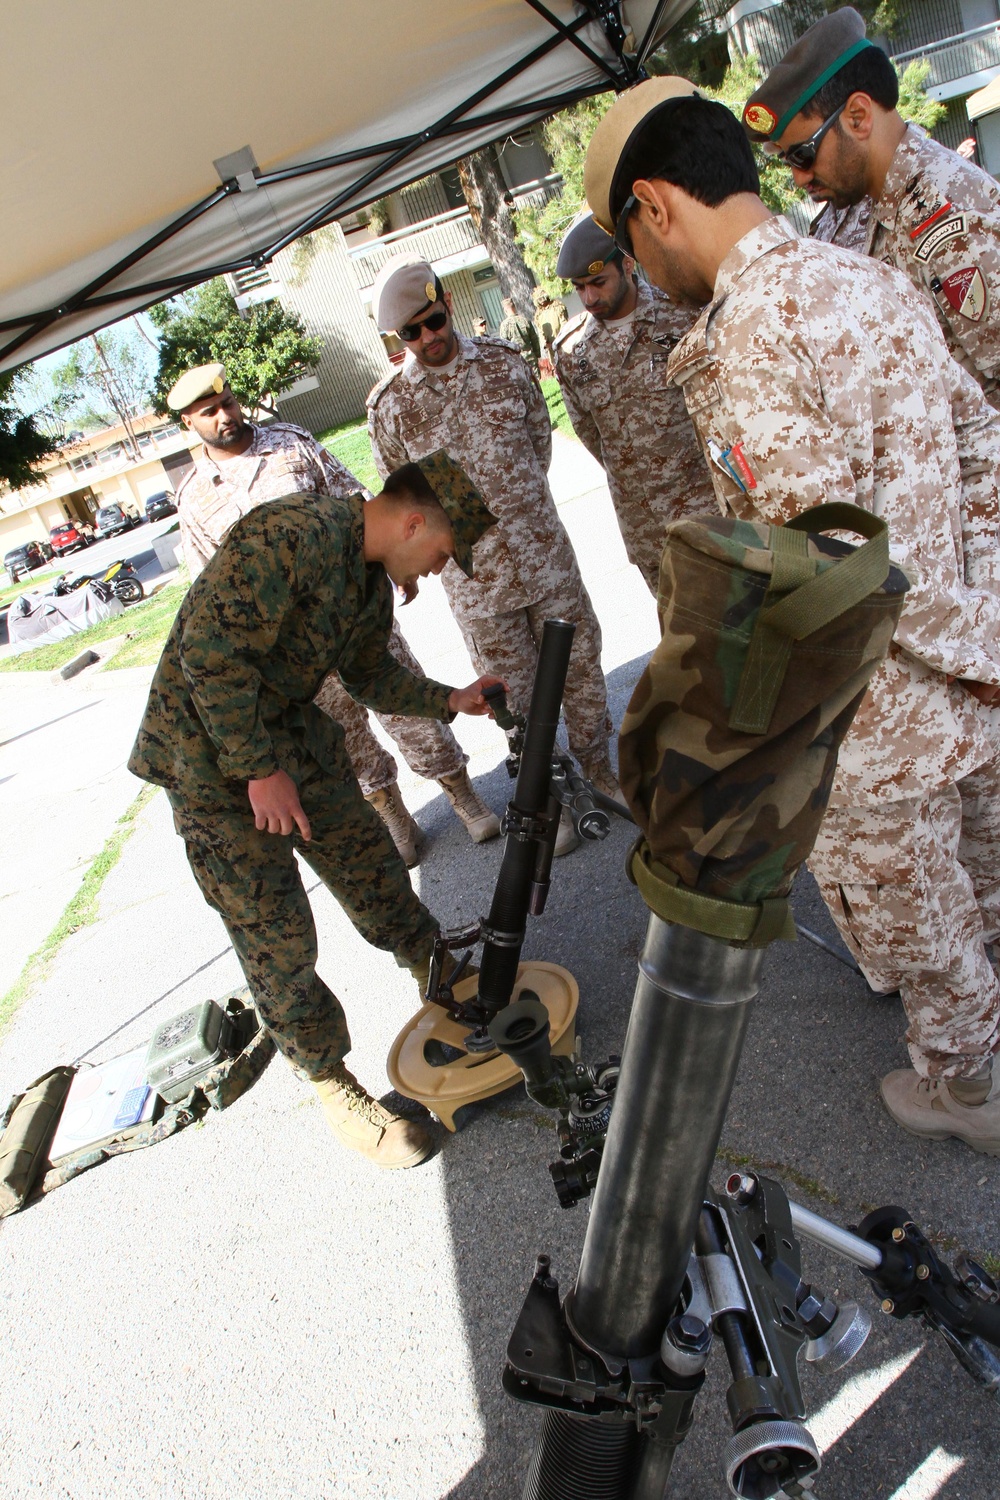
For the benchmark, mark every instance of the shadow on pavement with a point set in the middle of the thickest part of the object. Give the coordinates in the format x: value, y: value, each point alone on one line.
x: 903, y: 1419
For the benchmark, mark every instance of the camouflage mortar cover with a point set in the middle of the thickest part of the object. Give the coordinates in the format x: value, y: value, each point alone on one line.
x: 724, y: 812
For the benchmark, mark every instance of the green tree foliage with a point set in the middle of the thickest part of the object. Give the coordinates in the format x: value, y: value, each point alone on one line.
x: 264, y: 352
x: 566, y: 136
x: 104, y: 379
x: 22, y: 444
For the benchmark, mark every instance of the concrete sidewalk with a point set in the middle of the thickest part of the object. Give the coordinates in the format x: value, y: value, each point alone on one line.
x: 249, y: 1310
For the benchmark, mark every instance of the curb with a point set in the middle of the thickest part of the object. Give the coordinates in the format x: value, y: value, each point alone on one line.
x: 85, y: 659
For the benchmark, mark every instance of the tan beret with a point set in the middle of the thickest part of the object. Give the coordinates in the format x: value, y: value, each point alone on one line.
x: 614, y: 133
x: 816, y: 57
x: 204, y: 380
x: 404, y: 288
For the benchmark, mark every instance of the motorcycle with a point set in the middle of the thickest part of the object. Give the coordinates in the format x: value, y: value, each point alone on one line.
x: 119, y: 579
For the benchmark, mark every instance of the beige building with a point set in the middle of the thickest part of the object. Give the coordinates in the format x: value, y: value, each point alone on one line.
x: 97, y: 470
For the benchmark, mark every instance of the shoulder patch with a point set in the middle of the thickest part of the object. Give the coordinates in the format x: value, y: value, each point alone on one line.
x: 966, y: 292
x: 567, y: 331
x: 942, y: 229
x: 378, y: 391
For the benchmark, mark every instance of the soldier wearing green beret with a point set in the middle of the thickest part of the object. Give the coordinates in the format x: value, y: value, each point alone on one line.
x: 300, y: 587
x: 828, y: 110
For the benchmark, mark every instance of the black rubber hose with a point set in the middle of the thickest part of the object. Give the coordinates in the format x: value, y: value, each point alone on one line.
x: 512, y: 896
x: 983, y: 1318
x: 580, y: 1458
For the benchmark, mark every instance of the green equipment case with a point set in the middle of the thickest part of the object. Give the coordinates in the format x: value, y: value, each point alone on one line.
x: 187, y: 1046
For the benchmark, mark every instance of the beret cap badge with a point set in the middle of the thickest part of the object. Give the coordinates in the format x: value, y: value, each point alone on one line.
x: 760, y: 118
x: 595, y: 267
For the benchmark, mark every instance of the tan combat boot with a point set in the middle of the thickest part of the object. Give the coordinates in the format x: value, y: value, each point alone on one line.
x: 477, y: 817
x: 394, y: 814
x: 603, y: 779
x: 359, y: 1121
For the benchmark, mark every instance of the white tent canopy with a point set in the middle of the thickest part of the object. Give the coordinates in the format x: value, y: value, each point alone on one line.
x: 146, y: 148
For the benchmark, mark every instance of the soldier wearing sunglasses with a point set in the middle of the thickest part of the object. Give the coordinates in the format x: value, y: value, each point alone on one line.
x: 828, y: 111
x: 477, y: 398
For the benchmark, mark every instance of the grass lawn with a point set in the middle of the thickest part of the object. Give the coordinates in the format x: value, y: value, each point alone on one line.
x: 145, y: 625
x: 350, y: 444
x: 34, y: 580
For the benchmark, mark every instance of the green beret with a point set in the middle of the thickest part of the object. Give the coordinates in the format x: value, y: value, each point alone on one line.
x: 461, y: 502
x: 586, y: 250
x: 818, y: 54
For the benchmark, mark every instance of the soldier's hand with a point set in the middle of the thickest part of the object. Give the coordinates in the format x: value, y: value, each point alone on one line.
x: 276, y: 805
x: 470, y: 700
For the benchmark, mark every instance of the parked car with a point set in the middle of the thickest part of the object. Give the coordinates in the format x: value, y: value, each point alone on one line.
x: 69, y: 536
x: 111, y: 519
x: 159, y: 505
x: 24, y: 559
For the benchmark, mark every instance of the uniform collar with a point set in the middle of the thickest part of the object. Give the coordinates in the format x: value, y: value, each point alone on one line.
x: 415, y: 372
x: 904, y: 170
x: 217, y: 472
x: 758, y: 242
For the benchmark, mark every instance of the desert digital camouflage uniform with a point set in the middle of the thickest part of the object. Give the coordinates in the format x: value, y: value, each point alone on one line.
x: 812, y: 376
x: 634, y: 422
x: 488, y: 411
x: 286, y: 460
x: 285, y: 600
x: 846, y: 227
x: 938, y: 220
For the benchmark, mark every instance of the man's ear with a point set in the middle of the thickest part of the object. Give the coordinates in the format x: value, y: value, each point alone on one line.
x: 653, y: 196
x: 858, y: 116
x: 413, y: 524
x: 447, y: 300
x: 185, y: 419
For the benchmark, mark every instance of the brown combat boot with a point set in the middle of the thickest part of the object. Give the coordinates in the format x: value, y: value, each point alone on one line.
x: 481, y: 822
x: 361, y: 1122
x: 393, y: 811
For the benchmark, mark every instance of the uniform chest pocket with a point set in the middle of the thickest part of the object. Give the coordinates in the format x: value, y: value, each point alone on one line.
x: 701, y: 393
x: 502, y: 406
x: 422, y: 433
x: 283, y: 476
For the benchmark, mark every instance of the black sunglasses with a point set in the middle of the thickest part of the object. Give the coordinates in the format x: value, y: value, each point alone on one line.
x: 411, y: 331
x: 803, y: 154
x: 621, y: 236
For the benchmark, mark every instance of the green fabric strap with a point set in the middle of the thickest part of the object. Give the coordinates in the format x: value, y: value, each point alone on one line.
x: 817, y: 83
x: 753, y: 923
x: 801, y: 600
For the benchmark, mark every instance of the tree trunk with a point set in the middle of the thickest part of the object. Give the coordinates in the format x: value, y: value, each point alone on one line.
x: 105, y: 376
x: 490, y: 201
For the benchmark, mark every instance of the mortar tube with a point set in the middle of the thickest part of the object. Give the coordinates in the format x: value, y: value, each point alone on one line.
x: 512, y: 894
x: 682, y: 1050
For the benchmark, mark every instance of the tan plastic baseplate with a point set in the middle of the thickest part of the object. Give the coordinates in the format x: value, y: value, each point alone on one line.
x: 443, y: 1087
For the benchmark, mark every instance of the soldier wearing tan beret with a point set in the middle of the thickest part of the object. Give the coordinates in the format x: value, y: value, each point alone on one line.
x: 814, y: 374
x: 828, y: 110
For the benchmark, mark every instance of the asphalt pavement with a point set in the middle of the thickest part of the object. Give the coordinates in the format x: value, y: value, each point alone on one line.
x: 247, y: 1309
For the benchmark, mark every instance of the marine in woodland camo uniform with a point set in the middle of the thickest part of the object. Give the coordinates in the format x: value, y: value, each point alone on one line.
x: 812, y: 377
x: 286, y: 460
x: 634, y: 422
x: 490, y: 414
x: 285, y: 600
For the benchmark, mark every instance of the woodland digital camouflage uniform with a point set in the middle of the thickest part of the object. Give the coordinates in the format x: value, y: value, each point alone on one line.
x: 813, y: 375
x: 286, y: 460
x: 634, y: 422
x: 938, y: 220
x: 489, y: 413
x: 285, y: 600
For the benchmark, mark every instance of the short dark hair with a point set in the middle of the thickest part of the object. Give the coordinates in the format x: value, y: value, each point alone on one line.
x: 694, y: 143
x: 870, y: 73
x: 409, y: 485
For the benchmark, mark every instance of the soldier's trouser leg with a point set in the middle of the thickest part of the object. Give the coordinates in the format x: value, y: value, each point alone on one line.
x: 897, y: 887
x: 430, y: 748
x: 507, y: 645
x: 252, y: 880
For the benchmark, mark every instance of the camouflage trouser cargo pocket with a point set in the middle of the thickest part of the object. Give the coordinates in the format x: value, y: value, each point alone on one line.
x: 252, y: 880
x: 896, y: 880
